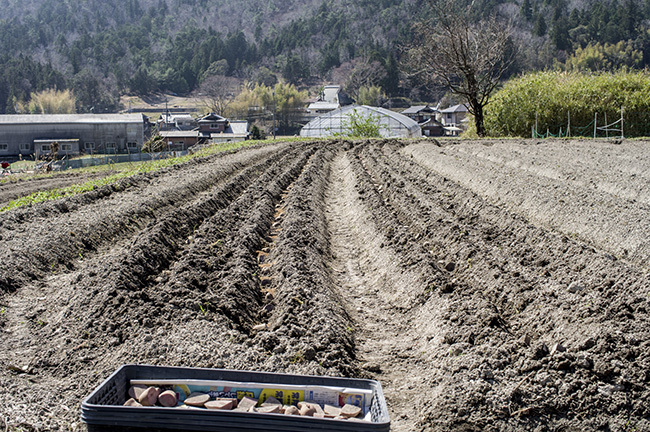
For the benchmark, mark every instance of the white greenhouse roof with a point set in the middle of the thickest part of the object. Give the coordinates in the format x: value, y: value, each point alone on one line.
x: 392, y: 124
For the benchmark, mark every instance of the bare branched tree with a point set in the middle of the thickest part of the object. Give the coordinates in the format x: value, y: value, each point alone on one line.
x: 366, y: 73
x: 466, y: 56
x: 217, y: 92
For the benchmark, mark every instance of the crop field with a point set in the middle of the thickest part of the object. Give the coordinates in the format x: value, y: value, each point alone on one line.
x: 488, y: 285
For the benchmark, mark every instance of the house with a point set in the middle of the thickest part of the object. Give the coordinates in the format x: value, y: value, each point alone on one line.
x: 236, y: 130
x: 34, y: 134
x: 425, y: 116
x: 184, y: 121
x: 212, y: 123
x: 181, y: 140
x: 432, y: 127
x: 331, y: 98
x: 211, y: 128
x: 176, y: 122
x: 219, y: 129
x: 454, y: 118
x: 420, y: 113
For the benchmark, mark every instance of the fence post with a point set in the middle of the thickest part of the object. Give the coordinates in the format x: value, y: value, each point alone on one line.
x: 622, y: 122
x: 606, y: 126
x: 568, y: 128
x: 595, y: 123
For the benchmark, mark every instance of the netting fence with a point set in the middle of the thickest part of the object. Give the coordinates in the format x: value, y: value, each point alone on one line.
x: 630, y: 124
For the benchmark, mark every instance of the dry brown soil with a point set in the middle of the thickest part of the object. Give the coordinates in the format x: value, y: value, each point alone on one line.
x: 489, y: 285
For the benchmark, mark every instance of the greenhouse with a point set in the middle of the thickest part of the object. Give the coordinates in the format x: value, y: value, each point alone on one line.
x: 342, y: 120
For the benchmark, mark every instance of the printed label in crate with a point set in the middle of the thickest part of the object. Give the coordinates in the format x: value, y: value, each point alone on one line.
x: 353, y: 398
x: 322, y: 396
x: 183, y: 391
x: 287, y: 397
x: 287, y: 394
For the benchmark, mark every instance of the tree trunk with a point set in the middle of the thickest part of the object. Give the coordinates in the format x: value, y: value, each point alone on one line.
x: 478, y: 120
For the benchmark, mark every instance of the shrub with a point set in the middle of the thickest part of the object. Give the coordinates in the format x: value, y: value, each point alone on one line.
x: 257, y: 133
x: 50, y: 101
x: 154, y: 145
x: 357, y: 125
x: 554, y: 96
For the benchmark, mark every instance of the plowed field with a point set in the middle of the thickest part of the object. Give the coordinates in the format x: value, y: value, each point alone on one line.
x: 490, y: 285
x: 24, y: 185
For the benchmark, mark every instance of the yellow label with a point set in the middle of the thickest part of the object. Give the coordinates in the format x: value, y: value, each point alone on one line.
x: 287, y: 397
x: 182, y: 391
x: 241, y: 394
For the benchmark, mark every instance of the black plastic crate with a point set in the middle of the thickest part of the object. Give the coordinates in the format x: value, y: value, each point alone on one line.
x: 103, y: 409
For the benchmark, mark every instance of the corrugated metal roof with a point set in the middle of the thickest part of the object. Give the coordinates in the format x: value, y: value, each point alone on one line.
x: 455, y: 108
x: 179, y: 134
x: 417, y: 108
x: 53, y: 140
x: 17, y: 119
x: 239, y: 127
x: 431, y: 122
x: 212, y: 117
x: 331, y: 93
x: 183, y: 117
x: 323, y: 105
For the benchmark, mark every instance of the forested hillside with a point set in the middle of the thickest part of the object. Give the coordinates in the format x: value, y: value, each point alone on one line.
x: 101, y: 49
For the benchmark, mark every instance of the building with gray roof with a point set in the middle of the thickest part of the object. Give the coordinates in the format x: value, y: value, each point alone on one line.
x: 331, y: 97
x: 33, y: 134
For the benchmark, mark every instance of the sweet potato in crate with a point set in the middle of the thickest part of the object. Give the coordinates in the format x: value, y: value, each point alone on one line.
x: 104, y: 410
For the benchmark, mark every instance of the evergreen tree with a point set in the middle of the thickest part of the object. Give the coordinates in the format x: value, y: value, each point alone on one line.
x: 295, y: 69
x: 142, y: 82
x: 257, y: 133
x: 390, y: 83
x: 526, y: 10
x: 539, y: 29
x: 329, y: 58
x: 629, y: 18
x: 560, y: 34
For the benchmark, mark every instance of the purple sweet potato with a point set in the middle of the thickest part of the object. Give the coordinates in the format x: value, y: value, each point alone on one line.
x: 246, y: 404
x: 349, y: 411
x: 136, y: 390
x: 168, y: 398
x: 269, y: 409
x: 132, y: 402
x: 331, y: 411
x: 292, y: 410
x: 220, y: 404
x: 149, y: 397
x: 197, y: 399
